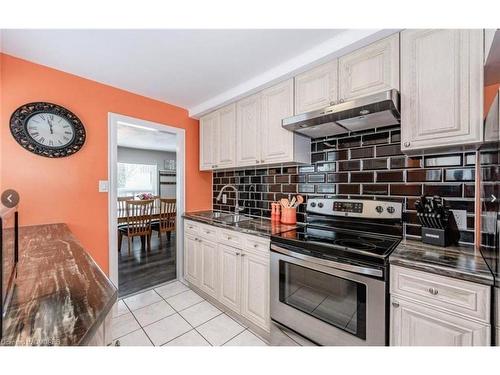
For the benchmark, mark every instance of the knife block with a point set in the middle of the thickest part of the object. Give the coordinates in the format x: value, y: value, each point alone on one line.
x: 438, y: 237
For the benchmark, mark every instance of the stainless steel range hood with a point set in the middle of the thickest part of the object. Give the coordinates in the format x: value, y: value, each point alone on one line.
x: 381, y: 109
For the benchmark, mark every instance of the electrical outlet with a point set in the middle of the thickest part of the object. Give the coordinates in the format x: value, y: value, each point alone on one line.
x: 103, y: 186
x: 224, y: 198
x: 460, y: 218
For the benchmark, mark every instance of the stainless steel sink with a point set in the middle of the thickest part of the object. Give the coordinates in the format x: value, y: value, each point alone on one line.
x: 235, y: 219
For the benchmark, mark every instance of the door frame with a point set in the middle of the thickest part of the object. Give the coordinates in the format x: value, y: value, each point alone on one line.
x: 113, y: 120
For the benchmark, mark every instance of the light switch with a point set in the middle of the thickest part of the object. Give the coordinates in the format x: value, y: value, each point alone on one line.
x: 103, y: 186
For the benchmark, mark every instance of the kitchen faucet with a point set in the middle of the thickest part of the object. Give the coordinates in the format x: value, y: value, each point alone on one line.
x: 237, y: 207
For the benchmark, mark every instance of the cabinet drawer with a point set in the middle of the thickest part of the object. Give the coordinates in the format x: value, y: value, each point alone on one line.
x: 230, y: 238
x: 191, y: 227
x: 208, y: 232
x: 257, y: 245
x: 462, y: 297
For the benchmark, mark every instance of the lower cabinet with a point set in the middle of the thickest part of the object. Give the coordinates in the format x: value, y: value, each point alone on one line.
x: 192, y: 259
x: 255, y: 289
x: 234, y: 270
x: 208, y: 280
x: 414, y: 324
x: 433, y: 310
x: 230, y: 277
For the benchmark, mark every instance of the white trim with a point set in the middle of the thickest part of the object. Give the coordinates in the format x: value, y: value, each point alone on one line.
x: 113, y: 120
x: 337, y: 46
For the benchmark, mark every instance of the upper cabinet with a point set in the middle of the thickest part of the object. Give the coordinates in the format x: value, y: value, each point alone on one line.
x: 248, y: 137
x: 226, y: 132
x: 217, y: 134
x: 208, y: 141
x: 316, y: 88
x: 441, y: 88
x: 278, y: 143
x: 370, y: 69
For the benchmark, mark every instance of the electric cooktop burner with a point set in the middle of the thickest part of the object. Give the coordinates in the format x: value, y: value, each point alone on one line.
x: 359, y: 245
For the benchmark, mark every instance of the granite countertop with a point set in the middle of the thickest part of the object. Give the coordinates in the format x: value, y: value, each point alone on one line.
x: 459, y: 262
x: 257, y: 226
x: 60, y: 296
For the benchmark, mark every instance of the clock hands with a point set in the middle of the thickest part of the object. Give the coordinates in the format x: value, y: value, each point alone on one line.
x: 50, y: 126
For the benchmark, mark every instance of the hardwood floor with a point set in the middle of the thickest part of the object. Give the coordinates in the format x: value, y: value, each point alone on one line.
x: 141, y: 269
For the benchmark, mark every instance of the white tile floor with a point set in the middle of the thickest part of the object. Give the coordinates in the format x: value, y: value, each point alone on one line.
x: 174, y: 315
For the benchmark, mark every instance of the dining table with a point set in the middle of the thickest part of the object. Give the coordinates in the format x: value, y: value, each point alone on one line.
x: 122, y: 214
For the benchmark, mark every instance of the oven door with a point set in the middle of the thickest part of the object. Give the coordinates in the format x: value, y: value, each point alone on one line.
x: 327, y: 305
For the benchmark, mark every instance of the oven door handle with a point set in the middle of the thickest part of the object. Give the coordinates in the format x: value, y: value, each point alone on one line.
x: 329, y: 263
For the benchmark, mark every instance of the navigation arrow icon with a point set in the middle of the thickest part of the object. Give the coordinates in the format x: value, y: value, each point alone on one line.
x: 493, y: 198
x: 10, y: 198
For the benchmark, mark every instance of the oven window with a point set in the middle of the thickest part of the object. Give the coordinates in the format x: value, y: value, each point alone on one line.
x: 334, y: 300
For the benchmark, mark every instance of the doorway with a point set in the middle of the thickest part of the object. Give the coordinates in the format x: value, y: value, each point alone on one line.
x: 145, y: 165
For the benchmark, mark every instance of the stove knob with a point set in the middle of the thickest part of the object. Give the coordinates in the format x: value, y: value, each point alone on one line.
x: 379, y: 209
x: 313, y: 204
x: 391, y: 209
x: 320, y: 205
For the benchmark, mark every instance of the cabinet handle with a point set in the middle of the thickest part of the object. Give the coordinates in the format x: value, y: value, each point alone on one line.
x: 243, y: 254
x: 433, y: 291
x: 238, y: 254
x: 255, y: 245
x: 257, y: 162
x: 263, y: 161
x: 229, y: 238
x: 406, y: 144
x: 332, y: 103
x: 395, y: 304
x: 341, y: 100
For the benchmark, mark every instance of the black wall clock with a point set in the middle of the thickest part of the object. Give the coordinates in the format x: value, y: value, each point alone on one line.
x: 47, y: 129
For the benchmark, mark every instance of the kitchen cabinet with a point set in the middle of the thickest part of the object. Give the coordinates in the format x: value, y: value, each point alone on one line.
x: 316, y: 88
x: 255, y: 288
x: 209, y: 271
x: 208, y: 141
x: 441, y: 89
x: 429, y: 309
x: 248, y: 136
x: 414, y: 324
x: 231, y: 267
x: 192, y: 260
x: 217, y: 134
x: 226, y: 134
x: 280, y: 145
x: 369, y: 70
x: 230, y: 277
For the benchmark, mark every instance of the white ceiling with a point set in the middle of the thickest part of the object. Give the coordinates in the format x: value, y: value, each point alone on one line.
x: 134, y: 136
x: 195, y: 69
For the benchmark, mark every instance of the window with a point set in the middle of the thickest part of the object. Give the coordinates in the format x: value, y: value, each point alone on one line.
x: 137, y: 178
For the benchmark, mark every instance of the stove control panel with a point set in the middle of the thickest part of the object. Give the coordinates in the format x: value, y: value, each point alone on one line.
x: 343, y: 206
x: 355, y: 208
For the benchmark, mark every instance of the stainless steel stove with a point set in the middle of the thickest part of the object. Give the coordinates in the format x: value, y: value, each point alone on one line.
x: 329, y: 279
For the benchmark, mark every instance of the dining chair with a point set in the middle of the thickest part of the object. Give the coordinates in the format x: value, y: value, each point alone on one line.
x: 167, y: 218
x: 138, y: 222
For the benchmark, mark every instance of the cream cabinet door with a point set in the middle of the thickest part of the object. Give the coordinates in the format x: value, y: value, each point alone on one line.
x: 192, y: 259
x: 316, y: 88
x: 248, y: 134
x: 277, y: 104
x: 208, y: 141
x: 416, y: 325
x: 226, y: 137
x: 371, y: 69
x: 255, y: 290
x: 441, y: 88
x: 230, y: 277
x: 208, y: 254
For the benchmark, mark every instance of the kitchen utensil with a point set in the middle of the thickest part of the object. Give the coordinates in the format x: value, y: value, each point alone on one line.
x: 285, y: 202
x: 292, y: 202
x: 300, y: 200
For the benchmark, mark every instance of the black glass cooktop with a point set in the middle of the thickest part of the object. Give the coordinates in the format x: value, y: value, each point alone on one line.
x: 339, y: 242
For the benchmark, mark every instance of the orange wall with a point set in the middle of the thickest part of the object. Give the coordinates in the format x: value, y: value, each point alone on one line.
x: 65, y: 190
x: 489, y: 94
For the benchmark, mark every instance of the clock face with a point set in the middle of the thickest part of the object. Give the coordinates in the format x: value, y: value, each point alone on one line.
x: 50, y: 129
x: 47, y: 129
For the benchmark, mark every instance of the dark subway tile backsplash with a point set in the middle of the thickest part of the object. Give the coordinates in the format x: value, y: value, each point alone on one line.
x: 366, y: 165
